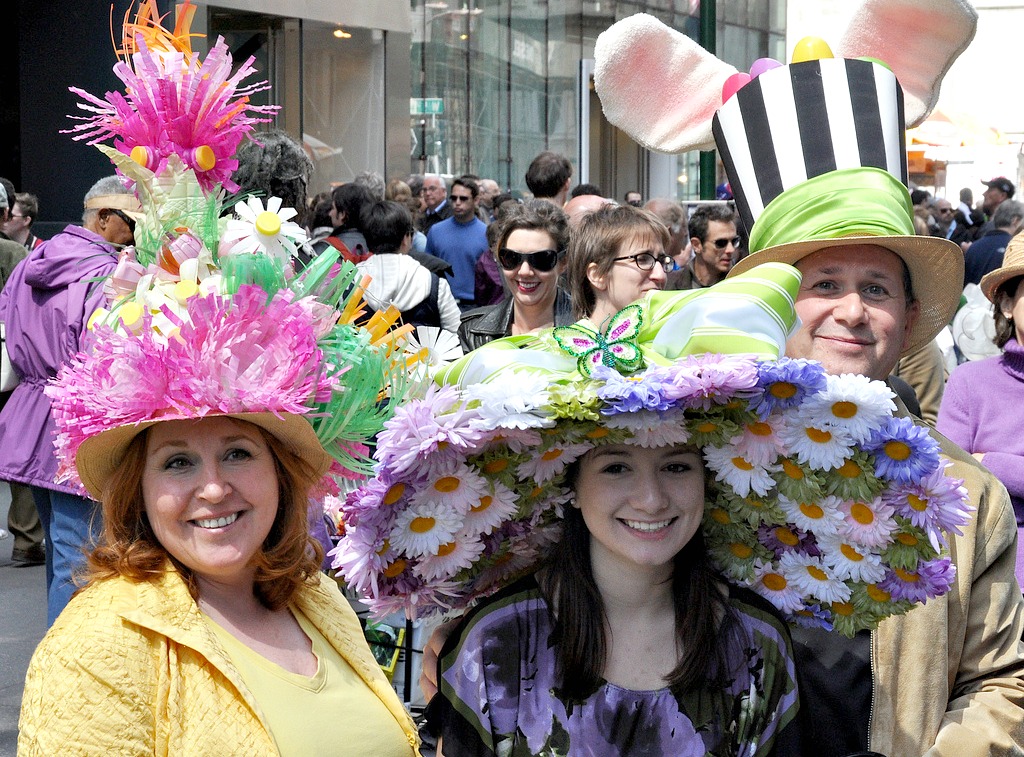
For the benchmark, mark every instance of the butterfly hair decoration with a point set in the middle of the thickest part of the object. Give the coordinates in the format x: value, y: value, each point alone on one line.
x: 615, y: 348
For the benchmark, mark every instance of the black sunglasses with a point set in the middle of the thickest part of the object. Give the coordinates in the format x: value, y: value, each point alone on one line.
x: 721, y: 244
x: 543, y: 260
x: 129, y: 222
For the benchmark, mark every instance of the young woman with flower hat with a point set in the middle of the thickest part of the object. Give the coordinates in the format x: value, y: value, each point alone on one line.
x: 603, y: 496
x: 217, y: 391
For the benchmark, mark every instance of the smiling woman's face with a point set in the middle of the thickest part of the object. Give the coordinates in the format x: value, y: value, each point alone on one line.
x: 531, y: 288
x: 210, y: 491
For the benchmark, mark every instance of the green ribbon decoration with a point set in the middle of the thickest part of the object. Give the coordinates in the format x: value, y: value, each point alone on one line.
x: 850, y: 202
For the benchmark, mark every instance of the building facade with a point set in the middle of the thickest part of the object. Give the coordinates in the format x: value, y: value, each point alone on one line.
x: 393, y: 86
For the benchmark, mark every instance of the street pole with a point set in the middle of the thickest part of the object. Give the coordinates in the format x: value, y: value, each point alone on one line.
x: 709, y: 42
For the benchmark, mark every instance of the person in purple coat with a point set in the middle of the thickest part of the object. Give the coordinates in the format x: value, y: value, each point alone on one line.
x: 45, y: 307
x: 978, y: 406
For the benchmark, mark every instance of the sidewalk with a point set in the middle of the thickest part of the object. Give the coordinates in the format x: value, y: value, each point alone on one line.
x: 22, y: 624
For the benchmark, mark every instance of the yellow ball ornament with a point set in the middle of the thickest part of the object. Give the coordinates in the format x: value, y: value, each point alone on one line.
x: 811, y: 48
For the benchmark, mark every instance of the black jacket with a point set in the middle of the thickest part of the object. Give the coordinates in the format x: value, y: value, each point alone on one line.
x: 482, y: 325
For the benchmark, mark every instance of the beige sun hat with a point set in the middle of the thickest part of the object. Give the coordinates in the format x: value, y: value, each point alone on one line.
x: 1013, y: 265
x: 99, y: 456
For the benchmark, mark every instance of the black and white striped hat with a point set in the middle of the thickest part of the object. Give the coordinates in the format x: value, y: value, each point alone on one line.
x: 795, y: 122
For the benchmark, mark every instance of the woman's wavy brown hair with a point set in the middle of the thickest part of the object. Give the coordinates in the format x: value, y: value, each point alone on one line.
x: 128, y: 547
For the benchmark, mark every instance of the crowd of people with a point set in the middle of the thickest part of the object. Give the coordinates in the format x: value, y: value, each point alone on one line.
x: 681, y: 493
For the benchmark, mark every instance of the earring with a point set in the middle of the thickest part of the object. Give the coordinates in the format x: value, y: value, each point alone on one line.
x: 572, y: 502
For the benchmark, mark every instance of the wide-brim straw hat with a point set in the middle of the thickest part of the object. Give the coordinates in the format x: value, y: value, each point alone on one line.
x: 1013, y: 265
x: 99, y: 456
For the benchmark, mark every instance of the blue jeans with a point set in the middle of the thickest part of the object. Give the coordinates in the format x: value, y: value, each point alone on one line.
x: 72, y: 525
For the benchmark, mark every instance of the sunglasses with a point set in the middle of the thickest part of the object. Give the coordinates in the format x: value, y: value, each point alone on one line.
x: 129, y: 222
x: 721, y: 244
x: 645, y: 261
x: 543, y: 260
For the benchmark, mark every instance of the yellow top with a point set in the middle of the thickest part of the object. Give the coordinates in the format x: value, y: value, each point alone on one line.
x: 332, y: 712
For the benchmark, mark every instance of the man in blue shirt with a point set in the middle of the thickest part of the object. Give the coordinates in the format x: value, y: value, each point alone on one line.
x: 460, y: 240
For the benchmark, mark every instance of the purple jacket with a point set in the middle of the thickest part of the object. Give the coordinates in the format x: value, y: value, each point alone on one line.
x: 44, y: 306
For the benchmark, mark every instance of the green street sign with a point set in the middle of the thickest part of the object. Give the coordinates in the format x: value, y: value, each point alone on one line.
x: 426, y: 106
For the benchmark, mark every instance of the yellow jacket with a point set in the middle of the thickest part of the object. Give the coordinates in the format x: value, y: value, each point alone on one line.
x: 131, y: 668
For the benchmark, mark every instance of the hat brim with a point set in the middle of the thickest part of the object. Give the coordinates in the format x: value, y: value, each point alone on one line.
x: 99, y: 456
x: 992, y: 280
x: 936, y: 268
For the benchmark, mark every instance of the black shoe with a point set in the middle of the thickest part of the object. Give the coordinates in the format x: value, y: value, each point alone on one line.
x: 24, y: 558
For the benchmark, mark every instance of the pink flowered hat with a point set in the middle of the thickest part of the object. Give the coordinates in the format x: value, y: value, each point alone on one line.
x: 821, y: 501
x: 205, y: 315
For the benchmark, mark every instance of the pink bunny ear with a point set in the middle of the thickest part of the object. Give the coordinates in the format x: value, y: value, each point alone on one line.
x: 658, y: 85
x: 917, y: 39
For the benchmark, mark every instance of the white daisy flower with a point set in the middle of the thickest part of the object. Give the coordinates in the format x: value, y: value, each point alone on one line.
x: 515, y: 404
x: 851, y: 402
x: 551, y: 462
x: 810, y: 576
x: 422, y: 528
x: 450, y: 558
x: 457, y: 486
x: 868, y: 523
x: 821, y: 517
x: 651, y: 429
x: 741, y: 474
x: 493, y: 508
x: 850, y: 561
x: 818, y: 446
x: 759, y: 440
x: 256, y: 228
x: 771, y: 584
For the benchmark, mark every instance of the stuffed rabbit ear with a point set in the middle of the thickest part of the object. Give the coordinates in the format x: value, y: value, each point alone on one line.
x: 658, y: 85
x: 917, y: 39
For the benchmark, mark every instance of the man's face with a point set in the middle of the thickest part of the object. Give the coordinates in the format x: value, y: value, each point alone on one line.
x: 853, y: 311
x: 463, y: 204
x: 634, y: 199
x: 489, y: 189
x: 944, y: 211
x: 992, y: 198
x: 718, y: 251
x: 433, y: 192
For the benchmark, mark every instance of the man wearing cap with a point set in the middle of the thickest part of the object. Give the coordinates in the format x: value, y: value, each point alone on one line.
x: 999, y: 190
x: 45, y: 307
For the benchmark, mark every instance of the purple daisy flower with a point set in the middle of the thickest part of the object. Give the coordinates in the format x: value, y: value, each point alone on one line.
x: 629, y: 394
x: 811, y: 616
x: 704, y: 381
x: 434, y: 426
x: 932, y: 579
x: 785, y: 383
x: 934, y: 504
x: 903, y: 452
x: 787, y: 538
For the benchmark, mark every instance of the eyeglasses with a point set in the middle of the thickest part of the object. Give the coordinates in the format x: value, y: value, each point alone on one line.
x: 945, y: 210
x: 460, y: 198
x: 645, y: 261
x: 129, y: 222
x: 543, y: 260
x: 721, y: 244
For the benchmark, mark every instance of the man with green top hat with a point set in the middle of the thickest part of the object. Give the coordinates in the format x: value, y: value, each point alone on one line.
x: 816, y: 157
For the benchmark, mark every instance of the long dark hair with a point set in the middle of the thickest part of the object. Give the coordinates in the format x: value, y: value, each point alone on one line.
x: 705, y: 628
